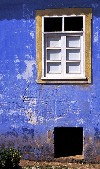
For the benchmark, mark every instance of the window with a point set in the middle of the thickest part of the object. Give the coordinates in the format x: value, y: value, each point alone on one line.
x: 63, y: 48
x: 64, y: 45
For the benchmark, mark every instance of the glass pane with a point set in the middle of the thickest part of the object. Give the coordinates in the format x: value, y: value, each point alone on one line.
x: 52, y: 24
x: 53, y: 54
x: 73, y: 54
x: 54, y: 42
x: 73, y: 67
x: 53, y: 67
x: 73, y: 41
x: 73, y: 23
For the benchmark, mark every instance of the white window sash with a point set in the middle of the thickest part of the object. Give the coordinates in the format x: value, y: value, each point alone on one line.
x: 63, y: 74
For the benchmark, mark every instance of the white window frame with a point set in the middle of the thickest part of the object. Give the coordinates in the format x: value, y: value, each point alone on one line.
x: 63, y: 35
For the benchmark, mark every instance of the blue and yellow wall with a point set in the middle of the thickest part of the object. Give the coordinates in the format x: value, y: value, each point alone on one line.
x: 30, y: 111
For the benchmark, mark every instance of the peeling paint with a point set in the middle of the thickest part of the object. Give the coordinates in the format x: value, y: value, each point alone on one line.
x: 1, y: 76
x: 17, y: 60
x: 32, y: 34
x: 96, y: 36
x: 80, y: 121
x: 32, y: 118
x: 41, y: 119
x: 28, y: 73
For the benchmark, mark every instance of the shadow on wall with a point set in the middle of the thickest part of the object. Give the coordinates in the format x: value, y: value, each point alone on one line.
x: 25, y: 9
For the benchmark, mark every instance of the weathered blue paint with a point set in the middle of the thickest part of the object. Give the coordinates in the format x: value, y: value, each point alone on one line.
x: 28, y: 111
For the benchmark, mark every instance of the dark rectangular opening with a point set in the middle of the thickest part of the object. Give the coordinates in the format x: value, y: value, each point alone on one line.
x: 68, y: 141
x: 53, y: 24
x: 73, y: 23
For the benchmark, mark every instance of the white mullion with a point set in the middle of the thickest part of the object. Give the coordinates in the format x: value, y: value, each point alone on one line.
x: 81, y: 63
x: 73, y: 61
x: 83, y: 45
x: 73, y: 48
x: 63, y: 24
x: 63, y: 53
x: 82, y: 57
x: 46, y: 55
x: 43, y: 47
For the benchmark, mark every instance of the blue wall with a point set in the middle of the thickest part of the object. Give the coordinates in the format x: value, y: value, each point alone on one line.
x: 29, y: 111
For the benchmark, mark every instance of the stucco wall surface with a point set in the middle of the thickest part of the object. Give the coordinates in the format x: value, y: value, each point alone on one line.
x: 30, y: 111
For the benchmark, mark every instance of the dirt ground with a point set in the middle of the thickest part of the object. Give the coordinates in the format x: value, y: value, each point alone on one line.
x: 26, y: 164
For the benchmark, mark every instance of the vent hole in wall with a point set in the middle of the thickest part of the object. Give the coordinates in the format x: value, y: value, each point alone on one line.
x: 68, y: 141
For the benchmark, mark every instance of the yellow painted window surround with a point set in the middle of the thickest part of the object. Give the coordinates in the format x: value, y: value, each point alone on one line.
x: 87, y: 12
